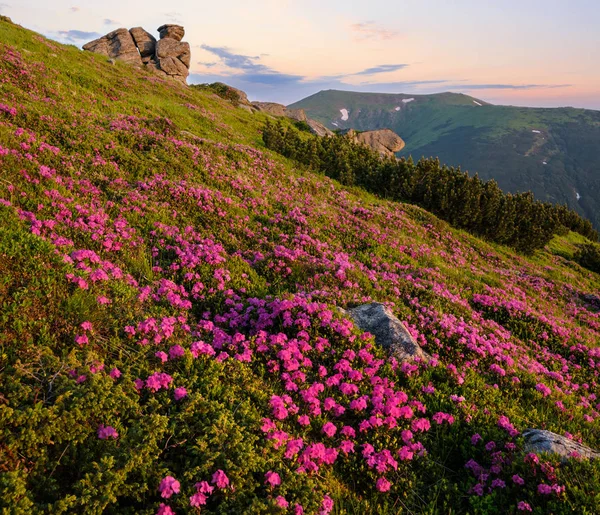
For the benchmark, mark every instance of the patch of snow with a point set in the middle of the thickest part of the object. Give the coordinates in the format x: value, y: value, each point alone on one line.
x: 397, y: 108
x: 577, y: 195
x: 333, y: 123
x: 344, y: 114
x: 407, y: 100
x: 536, y: 131
x: 477, y: 103
x: 544, y: 163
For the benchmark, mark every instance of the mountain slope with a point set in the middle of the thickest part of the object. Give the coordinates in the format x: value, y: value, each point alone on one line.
x: 170, y: 339
x: 552, y: 152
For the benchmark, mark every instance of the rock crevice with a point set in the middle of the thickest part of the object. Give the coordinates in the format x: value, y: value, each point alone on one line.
x: 168, y: 57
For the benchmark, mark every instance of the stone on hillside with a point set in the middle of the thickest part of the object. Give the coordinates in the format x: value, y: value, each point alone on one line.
x: 271, y: 108
x: 6, y: 19
x: 384, y: 141
x: 168, y: 57
x: 296, y: 114
x: 145, y: 42
x: 389, y: 332
x: 318, y: 128
x: 171, y: 31
x: 117, y: 44
x: 171, y: 48
x: 540, y: 440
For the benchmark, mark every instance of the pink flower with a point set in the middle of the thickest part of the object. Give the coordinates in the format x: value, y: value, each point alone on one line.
x: 168, y: 486
x: 281, y: 502
x: 115, y: 373
x: 543, y: 389
x: 383, y: 485
x: 420, y: 424
x: 303, y: 420
x: 86, y: 326
x: 326, y: 505
x: 103, y: 300
x: 329, y: 429
x: 475, y: 439
x: 544, y: 489
x: 106, y: 432
x: 204, y: 487
x: 81, y: 340
x: 163, y: 509
x: 272, y: 478
x: 179, y: 393
x: 198, y: 499
x: 177, y: 351
x: 518, y: 480
x: 220, y: 479
x: 523, y: 506
x: 162, y: 356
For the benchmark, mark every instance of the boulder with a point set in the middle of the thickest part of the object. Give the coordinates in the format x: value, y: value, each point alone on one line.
x: 171, y: 48
x: 271, y: 108
x: 145, y: 42
x: 389, y: 332
x: 384, y: 141
x: 173, y: 67
x: 117, y: 44
x: 296, y: 114
x: 318, y: 128
x: 540, y: 440
x: 175, y: 32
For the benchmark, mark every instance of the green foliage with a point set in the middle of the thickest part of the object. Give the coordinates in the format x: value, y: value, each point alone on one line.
x: 588, y: 256
x: 466, y: 202
x: 221, y: 89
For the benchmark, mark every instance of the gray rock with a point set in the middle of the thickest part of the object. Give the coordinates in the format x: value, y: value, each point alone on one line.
x: 388, y: 331
x: 318, y: 128
x: 117, y: 44
x: 540, y: 440
x: 296, y: 114
x: 171, y: 48
x: 171, y: 31
x: 271, y: 108
x: 384, y: 141
x: 145, y: 42
x: 173, y: 67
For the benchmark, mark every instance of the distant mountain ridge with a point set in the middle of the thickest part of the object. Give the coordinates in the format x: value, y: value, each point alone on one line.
x: 554, y: 152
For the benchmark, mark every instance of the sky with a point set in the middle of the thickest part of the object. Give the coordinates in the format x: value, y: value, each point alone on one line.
x: 525, y: 52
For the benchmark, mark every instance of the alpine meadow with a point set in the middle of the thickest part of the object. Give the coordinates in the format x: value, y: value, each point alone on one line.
x: 209, y: 305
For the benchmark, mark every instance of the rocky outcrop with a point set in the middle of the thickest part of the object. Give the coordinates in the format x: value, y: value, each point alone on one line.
x: 118, y: 44
x: 389, y: 332
x: 169, y: 31
x: 384, y: 141
x: 145, y: 42
x: 271, y: 108
x: 299, y: 115
x: 318, y: 128
x: 168, y: 57
x: 540, y: 440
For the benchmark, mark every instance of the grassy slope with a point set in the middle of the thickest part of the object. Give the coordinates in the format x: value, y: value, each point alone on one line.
x: 190, y: 223
x: 495, y: 141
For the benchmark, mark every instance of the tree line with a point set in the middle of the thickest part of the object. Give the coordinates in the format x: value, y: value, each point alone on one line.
x: 464, y: 201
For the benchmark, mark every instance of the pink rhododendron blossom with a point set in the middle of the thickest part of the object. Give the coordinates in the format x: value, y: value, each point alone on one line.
x: 168, y: 486
x: 383, y: 485
x: 179, y: 393
x: 164, y: 509
x: 272, y: 478
x: 106, y: 432
x: 523, y: 506
x: 220, y: 479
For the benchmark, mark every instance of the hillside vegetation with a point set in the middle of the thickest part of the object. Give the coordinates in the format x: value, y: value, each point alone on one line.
x: 551, y: 152
x: 169, y: 334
